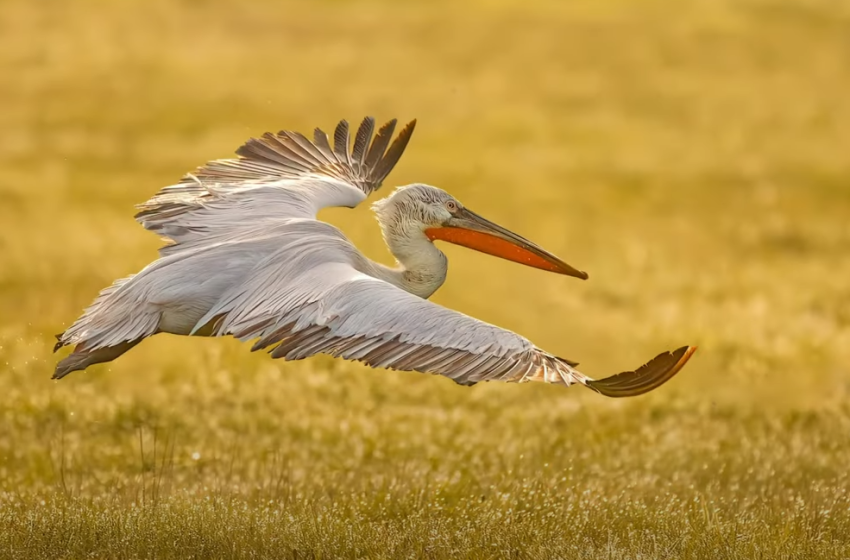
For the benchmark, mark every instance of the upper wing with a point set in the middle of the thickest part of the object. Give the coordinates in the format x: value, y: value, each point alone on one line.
x: 300, y: 302
x: 277, y: 176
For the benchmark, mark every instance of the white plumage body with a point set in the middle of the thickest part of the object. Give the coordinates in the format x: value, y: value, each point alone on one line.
x: 248, y: 258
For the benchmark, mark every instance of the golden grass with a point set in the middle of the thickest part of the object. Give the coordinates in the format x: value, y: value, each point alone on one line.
x: 691, y: 156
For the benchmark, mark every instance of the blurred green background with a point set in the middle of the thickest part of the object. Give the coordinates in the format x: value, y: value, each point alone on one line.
x: 692, y: 156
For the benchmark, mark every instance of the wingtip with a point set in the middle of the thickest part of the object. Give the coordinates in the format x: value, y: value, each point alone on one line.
x: 408, y: 128
x: 646, y: 378
x: 366, y: 129
x: 689, y: 351
x: 61, y: 371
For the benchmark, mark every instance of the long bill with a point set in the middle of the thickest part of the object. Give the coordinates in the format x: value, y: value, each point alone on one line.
x: 470, y: 230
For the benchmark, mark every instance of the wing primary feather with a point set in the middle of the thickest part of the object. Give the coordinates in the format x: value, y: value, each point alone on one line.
x: 379, y: 146
x: 361, y: 142
x: 391, y: 157
x: 280, y: 152
x: 288, y: 154
x: 271, y: 148
x: 260, y: 149
x: 292, y: 142
x: 649, y: 376
x: 301, y: 142
x: 320, y: 139
x: 341, y: 142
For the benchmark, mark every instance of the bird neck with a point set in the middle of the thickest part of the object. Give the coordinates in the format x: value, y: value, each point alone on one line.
x: 421, y: 266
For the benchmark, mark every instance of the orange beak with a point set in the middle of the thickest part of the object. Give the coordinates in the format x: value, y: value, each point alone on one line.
x: 470, y: 230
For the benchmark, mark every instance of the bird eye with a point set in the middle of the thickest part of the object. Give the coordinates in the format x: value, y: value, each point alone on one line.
x: 451, y: 205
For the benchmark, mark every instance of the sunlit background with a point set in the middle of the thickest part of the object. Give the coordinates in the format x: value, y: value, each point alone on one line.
x: 692, y: 156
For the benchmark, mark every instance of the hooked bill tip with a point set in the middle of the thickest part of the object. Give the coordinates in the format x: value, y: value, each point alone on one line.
x: 567, y: 270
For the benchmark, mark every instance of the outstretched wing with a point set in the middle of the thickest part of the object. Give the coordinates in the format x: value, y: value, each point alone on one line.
x: 276, y: 176
x: 296, y: 304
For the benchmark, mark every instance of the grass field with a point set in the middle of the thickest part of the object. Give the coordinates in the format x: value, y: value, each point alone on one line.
x: 692, y: 156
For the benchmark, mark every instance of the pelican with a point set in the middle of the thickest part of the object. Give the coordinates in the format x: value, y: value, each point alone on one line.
x: 247, y: 257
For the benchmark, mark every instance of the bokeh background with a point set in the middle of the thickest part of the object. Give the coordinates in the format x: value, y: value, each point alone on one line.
x: 692, y: 156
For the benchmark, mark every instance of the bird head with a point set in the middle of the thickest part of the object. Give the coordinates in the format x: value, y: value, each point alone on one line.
x: 423, y: 209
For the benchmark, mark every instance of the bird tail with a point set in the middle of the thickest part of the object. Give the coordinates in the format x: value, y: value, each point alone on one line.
x: 111, y: 325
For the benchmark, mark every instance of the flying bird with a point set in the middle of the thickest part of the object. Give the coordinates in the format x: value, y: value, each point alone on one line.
x: 247, y: 257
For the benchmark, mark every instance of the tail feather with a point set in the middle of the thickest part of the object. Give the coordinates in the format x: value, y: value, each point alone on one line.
x: 111, y: 319
x: 116, y: 321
